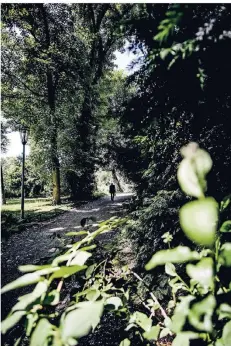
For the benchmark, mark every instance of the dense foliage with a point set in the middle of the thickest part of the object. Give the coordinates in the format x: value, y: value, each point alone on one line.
x: 54, y: 76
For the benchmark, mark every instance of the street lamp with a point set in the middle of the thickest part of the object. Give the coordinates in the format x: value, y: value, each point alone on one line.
x: 24, y: 139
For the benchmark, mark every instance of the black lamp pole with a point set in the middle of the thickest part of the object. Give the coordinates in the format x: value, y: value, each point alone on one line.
x: 24, y: 138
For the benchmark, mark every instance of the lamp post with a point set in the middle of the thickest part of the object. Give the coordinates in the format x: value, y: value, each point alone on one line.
x: 24, y: 139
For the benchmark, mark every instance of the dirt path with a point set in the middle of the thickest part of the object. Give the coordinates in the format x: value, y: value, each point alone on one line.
x: 31, y: 245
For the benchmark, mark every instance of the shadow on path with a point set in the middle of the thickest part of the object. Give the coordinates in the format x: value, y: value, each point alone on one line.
x: 28, y: 246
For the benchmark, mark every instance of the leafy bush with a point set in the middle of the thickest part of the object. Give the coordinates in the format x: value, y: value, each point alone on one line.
x: 203, y: 311
x: 198, y: 310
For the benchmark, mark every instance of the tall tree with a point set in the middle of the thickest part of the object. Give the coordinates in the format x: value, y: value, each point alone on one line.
x: 4, y: 143
x: 101, y: 24
x: 39, y: 73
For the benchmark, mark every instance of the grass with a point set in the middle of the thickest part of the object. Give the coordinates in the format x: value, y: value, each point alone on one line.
x: 36, y: 210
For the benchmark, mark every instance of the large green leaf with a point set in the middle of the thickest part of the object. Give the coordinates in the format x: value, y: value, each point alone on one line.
x: 193, y: 170
x: 41, y: 333
x: 82, y: 320
x: 188, y: 179
x: 25, y: 280
x: 199, y: 219
x: 64, y: 272
x: 10, y: 321
x: 200, y: 314
x: 178, y: 255
x: 202, y: 272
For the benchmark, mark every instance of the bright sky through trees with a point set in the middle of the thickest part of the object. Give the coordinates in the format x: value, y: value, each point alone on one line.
x: 15, y: 147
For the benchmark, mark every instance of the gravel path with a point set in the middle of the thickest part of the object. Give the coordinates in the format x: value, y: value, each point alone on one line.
x: 31, y: 245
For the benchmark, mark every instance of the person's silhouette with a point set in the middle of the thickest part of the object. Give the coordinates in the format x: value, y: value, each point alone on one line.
x: 112, y: 191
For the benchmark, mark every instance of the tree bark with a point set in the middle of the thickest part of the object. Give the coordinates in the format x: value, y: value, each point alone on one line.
x: 51, y: 91
x: 2, y: 188
x: 55, y: 169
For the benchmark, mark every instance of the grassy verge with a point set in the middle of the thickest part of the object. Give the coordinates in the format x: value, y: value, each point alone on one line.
x: 36, y: 210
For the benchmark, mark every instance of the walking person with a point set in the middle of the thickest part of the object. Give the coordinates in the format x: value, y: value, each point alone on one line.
x: 112, y: 191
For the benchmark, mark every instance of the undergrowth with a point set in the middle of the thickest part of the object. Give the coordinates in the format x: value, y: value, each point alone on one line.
x: 91, y: 295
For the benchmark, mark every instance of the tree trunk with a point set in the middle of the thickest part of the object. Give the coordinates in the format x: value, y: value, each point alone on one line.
x: 55, y: 168
x: 115, y: 178
x: 2, y: 188
x: 82, y: 185
x: 51, y: 90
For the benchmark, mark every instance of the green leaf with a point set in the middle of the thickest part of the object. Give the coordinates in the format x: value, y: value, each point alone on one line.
x: 61, y: 259
x: 224, y: 311
x: 52, y: 298
x: 178, y: 255
x: 180, y: 313
x: 76, y: 233
x: 183, y: 339
x: 10, y: 321
x: 41, y: 333
x: 188, y: 179
x: 225, y: 255
x: 226, y: 227
x: 90, y: 270
x: 125, y: 342
x: 200, y: 314
x: 164, y: 332
x: 82, y: 320
x: 193, y: 170
x: 164, y: 53
x: 27, y: 299
x: 199, y: 219
x: 93, y: 295
x: 65, y: 272
x: 202, y: 272
x: 226, y: 334
x: 80, y: 258
x: 31, y: 320
x: 153, y: 333
x: 170, y: 269
x: 116, y: 301
x: 141, y: 320
x: 90, y: 247
x: 171, y: 304
x: 225, y: 203
x: 32, y: 268
x: 24, y: 280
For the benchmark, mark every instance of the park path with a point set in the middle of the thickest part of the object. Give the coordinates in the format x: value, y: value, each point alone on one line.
x: 30, y: 245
